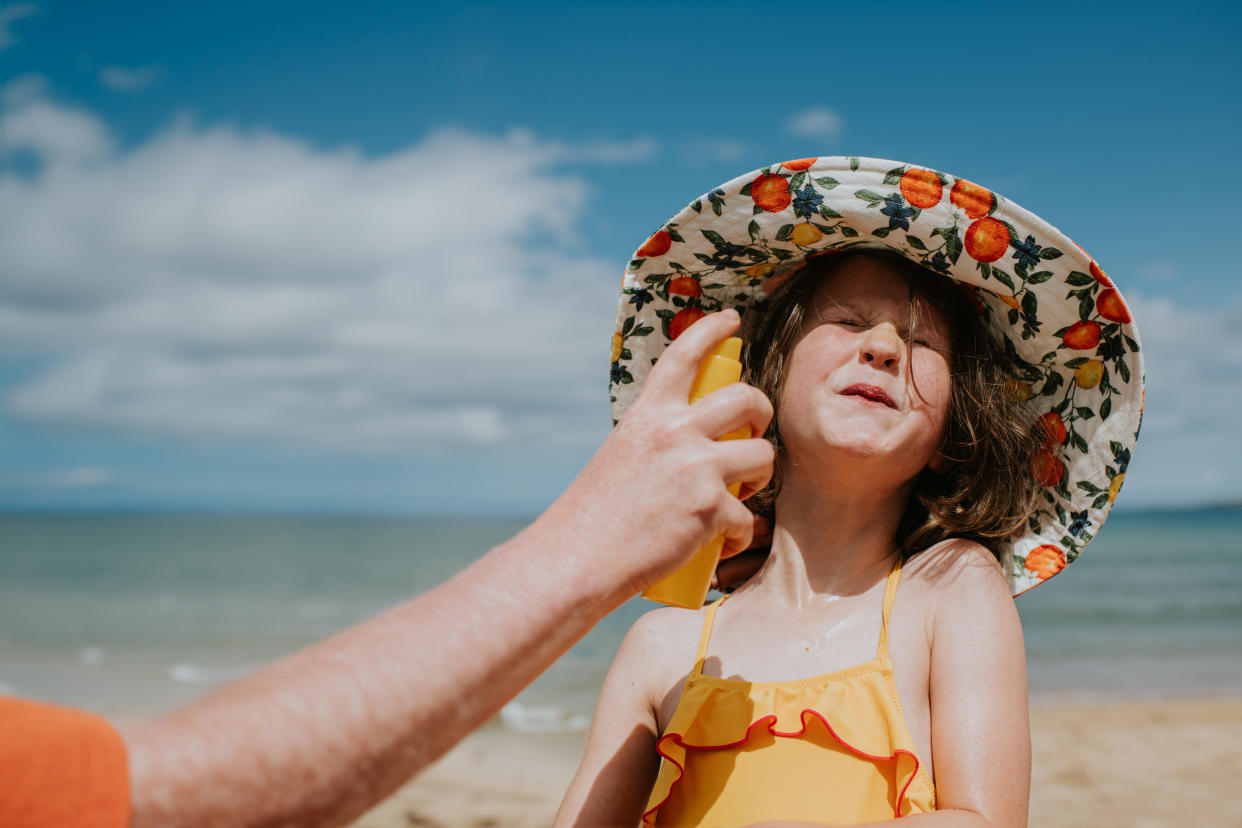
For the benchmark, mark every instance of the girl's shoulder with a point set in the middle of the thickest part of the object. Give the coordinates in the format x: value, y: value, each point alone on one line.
x: 659, y: 650
x: 953, y: 579
x: 951, y: 570
x: 953, y: 564
x: 668, y: 633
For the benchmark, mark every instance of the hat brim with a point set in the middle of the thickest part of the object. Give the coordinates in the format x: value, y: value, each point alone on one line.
x: 1044, y: 298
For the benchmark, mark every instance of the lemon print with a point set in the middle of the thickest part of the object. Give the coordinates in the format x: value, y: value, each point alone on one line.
x: 1020, y: 391
x: 806, y: 234
x: 1089, y: 373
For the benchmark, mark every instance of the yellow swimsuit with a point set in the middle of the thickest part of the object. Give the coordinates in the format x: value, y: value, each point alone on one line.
x: 833, y: 748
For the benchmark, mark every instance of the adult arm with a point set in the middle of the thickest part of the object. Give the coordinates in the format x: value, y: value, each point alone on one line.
x: 317, y: 738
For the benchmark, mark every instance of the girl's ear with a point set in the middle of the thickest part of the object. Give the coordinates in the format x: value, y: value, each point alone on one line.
x: 938, y: 464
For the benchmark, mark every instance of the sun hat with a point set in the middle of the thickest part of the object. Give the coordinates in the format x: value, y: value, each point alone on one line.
x: 1045, y: 300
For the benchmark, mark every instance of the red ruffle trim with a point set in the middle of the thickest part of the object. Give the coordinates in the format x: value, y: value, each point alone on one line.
x: 771, y: 720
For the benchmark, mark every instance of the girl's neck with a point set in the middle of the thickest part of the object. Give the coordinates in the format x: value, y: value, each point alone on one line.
x: 830, y: 542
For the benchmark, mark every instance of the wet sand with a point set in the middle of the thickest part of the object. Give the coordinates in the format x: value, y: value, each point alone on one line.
x: 1095, y: 765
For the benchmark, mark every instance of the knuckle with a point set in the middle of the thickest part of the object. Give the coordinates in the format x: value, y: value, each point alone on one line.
x: 665, y: 435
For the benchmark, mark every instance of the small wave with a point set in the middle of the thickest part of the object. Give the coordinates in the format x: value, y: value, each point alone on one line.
x: 189, y: 674
x: 542, y: 719
x: 193, y: 674
x: 7, y: 689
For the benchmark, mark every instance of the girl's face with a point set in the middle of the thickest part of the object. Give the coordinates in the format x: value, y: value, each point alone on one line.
x: 850, y: 383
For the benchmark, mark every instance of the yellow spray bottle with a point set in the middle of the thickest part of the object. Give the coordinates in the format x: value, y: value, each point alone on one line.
x: 687, y: 587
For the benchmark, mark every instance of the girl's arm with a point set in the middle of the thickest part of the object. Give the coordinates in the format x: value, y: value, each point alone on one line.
x: 619, y: 766
x: 981, y: 731
x: 981, y: 735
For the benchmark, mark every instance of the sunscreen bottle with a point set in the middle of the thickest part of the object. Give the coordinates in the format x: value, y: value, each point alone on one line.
x: 687, y: 587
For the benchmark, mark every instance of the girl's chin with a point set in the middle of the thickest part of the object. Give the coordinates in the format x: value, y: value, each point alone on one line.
x: 863, y: 455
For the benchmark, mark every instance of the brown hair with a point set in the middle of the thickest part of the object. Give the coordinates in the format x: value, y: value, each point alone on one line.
x: 988, y: 489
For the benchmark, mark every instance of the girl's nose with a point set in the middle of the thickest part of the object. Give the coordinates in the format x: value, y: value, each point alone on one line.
x: 881, y: 346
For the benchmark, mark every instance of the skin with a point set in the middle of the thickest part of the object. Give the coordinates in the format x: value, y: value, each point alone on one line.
x: 815, y: 605
x: 319, y: 737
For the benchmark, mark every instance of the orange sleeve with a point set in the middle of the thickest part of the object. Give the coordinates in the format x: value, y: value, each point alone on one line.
x: 60, y: 767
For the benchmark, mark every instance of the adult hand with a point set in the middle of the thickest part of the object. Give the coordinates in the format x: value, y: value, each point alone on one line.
x: 316, y: 738
x: 656, y: 490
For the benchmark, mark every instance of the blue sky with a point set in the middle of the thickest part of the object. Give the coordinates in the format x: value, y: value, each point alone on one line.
x: 288, y: 256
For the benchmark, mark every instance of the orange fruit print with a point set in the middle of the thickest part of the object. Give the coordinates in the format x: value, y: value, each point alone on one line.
x: 1110, y: 306
x: 683, y: 319
x: 799, y: 164
x: 685, y: 286
x: 1082, y: 336
x: 1100, y: 276
x: 771, y: 192
x: 987, y: 239
x: 1052, y: 431
x: 1045, y: 561
x: 922, y: 188
x: 1047, y: 468
x: 973, y: 200
x: 657, y: 245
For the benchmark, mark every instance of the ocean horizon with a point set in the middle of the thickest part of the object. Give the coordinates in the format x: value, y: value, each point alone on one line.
x: 126, y: 612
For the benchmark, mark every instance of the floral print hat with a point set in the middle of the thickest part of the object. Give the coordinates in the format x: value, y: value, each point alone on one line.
x: 1043, y: 297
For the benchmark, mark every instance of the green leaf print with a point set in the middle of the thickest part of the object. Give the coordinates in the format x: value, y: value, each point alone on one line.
x: 1030, y: 305
x: 873, y: 199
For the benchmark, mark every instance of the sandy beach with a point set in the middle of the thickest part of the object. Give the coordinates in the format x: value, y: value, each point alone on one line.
x: 1095, y: 765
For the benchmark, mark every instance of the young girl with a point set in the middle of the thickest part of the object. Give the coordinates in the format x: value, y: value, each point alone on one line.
x: 951, y: 427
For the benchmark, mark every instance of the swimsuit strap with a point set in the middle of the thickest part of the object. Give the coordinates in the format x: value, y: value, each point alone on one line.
x: 708, y: 617
x: 890, y: 593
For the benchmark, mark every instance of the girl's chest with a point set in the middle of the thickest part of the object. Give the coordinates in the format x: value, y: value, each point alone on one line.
x: 828, y: 648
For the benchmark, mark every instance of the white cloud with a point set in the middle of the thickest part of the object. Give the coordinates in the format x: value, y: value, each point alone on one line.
x: 608, y: 152
x: 1188, y: 450
x: 815, y: 122
x: 56, y: 135
x: 120, y: 79
x: 220, y: 283
x: 8, y: 15
x: 715, y: 150
x: 1159, y: 271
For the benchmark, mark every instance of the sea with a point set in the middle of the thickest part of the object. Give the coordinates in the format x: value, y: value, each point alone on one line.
x: 133, y: 614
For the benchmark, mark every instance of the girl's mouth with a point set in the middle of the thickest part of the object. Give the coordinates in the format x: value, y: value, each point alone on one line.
x: 869, y: 392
